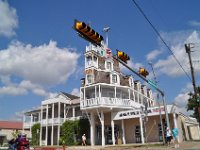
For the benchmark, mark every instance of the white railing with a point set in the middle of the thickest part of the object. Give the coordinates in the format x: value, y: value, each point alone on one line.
x: 91, y: 64
x: 29, y: 124
x: 106, y: 101
x: 50, y: 121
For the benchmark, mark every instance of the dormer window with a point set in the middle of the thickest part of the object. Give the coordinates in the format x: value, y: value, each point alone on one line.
x: 89, y: 60
x: 108, y: 65
x: 114, y: 79
x: 131, y: 83
x: 90, y: 79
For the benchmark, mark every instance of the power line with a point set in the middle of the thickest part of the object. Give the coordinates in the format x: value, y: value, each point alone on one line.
x: 154, y: 28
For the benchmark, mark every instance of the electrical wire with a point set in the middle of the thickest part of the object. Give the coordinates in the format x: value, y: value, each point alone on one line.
x: 154, y: 28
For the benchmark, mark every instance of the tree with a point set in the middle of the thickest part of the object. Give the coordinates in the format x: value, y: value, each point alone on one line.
x: 73, y: 130
x: 193, y: 104
x: 35, y: 129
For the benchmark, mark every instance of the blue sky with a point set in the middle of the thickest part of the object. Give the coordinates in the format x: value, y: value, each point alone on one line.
x: 41, y: 54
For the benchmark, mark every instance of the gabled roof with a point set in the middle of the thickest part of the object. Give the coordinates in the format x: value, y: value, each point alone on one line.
x: 70, y: 96
x: 11, y: 125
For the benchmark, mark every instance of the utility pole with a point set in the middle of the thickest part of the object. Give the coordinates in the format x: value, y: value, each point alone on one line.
x: 188, y: 51
x: 156, y: 82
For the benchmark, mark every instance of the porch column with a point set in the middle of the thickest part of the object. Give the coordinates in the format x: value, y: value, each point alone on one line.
x: 129, y: 94
x: 64, y: 112
x: 73, y: 112
x: 31, y: 125
x: 52, y: 125
x: 59, y: 123
x: 198, y: 130
x: 113, y: 129
x: 41, y: 116
x: 92, y: 129
x: 123, y: 133
x: 47, y: 111
x: 141, y: 130
x: 99, y: 91
x: 95, y: 93
x: 102, y: 127
x: 84, y: 100
x: 175, y: 123
x: 115, y: 91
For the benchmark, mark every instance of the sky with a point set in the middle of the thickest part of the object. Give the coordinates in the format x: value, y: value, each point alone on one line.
x: 41, y: 55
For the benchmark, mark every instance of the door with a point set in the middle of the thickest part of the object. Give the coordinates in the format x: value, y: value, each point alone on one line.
x: 137, y: 134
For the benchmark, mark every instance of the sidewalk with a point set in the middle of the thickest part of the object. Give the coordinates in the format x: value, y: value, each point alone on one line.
x: 183, y: 146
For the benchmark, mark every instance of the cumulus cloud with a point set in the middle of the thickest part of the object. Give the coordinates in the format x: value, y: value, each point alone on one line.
x: 76, y: 92
x: 169, y: 66
x: 194, y: 23
x: 153, y: 54
x: 9, y: 19
x: 25, y: 67
x: 181, y: 100
x: 132, y: 65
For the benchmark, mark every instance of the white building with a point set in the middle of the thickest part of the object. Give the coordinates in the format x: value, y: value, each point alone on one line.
x: 54, y: 112
x: 112, y: 102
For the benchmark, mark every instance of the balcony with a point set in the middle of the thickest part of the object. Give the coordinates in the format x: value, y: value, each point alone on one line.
x: 108, y: 102
x: 50, y: 121
x: 29, y: 124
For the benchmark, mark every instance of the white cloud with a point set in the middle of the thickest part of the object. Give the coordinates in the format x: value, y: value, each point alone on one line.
x: 169, y: 66
x: 76, y: 92
x: 12, y: 90
x: 153, y: 54
x: 194, y: 23
x: 35, y: 67
x: 9, y: 19
x: 181, y: 99
x: 18, y: 116
x: 131, y: 64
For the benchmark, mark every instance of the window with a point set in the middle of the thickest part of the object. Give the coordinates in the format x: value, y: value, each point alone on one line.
x: 131, y: 84
x: 108, y: 65
x: 89, y: 79
x: 114, y: 78
x: 88, y: 60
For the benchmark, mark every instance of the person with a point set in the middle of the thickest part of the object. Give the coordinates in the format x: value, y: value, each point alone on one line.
x: 168, y: 136
x: 83, y: 140
x: 175, y: 135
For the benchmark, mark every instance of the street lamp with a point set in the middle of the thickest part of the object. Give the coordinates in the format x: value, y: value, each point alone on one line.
x: 106, y: 29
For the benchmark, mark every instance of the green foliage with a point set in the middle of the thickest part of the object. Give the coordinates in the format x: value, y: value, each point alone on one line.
x: 193, y: 104
x: 67, y: 132
x: 35, y: 134
x: 15, y: 133
x: 71, y: 131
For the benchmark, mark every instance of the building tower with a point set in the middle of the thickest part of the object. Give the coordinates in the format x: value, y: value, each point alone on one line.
x: 105, y: 91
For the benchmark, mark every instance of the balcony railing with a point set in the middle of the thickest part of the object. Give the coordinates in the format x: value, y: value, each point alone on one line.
x: 107, y: 101
x: 50, y: 121
x: 29, y: 124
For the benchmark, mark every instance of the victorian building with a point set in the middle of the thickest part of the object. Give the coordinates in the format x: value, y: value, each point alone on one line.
x: 114, y: 104
x: 120, y: 108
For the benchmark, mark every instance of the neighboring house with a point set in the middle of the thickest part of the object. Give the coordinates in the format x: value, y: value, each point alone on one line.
x: 54, y: 112
x: 7, y: 128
